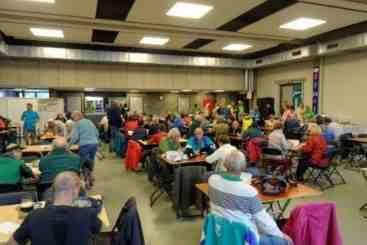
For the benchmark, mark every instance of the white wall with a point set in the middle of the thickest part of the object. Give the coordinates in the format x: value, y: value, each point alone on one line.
x: 61, y: 74
x: 345, y: 87
x: 343, y: 84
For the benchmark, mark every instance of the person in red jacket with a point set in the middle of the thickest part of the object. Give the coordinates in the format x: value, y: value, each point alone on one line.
x: 130, y: 125
x: 157, y: 137
x: 314, y: 151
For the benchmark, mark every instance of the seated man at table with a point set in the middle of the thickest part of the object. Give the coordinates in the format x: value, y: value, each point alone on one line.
x: 159, y: 135
x: 59, y: 160
x: 59, y: 223
x: 235, y: 129
x: 277, y: 138
x: 13, y: 170
x: 232, y: 197
x: 328, y: 133
x: 200, y: 143
x: 172, y: 142
x: 219, y: 155
x: 252, y: 131
x: 140, y: 133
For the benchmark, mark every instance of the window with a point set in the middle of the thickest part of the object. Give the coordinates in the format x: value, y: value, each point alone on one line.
x: 94, y: 104
x: 25, y: 93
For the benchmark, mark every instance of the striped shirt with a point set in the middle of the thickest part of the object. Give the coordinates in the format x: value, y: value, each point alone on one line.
x: 234, y: 198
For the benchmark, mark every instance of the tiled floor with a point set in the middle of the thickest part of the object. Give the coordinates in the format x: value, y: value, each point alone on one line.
x: 160, y: 224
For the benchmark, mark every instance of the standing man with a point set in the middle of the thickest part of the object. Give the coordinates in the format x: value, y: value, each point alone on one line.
x: 86, y: 135
x: 115, y: 123
x: 30, y: 119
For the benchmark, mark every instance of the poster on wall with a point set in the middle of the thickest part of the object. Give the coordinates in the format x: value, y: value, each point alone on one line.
x: 315, y: 89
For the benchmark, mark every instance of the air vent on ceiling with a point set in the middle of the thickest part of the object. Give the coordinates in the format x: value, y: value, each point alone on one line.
x: 332, y: 45
x: 296, y: 53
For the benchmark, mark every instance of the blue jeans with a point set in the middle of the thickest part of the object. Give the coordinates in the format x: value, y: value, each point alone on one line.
x: 114, y: 134
x: 272, y: 240
x: 87, y: 155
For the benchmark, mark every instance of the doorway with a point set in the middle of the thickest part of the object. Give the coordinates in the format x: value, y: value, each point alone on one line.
x: 136, y: 104
x: 291, y: 93
x: 184, y: 104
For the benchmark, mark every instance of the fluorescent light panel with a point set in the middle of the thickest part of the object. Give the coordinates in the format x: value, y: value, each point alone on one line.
x: 187, y: 90
x: 154, y: 40
x: 219, y: 90
x: 189, y: 10
x: 40, y: 1
x: 237, y: 47
x: 302, y: 24
x: 43, y: 32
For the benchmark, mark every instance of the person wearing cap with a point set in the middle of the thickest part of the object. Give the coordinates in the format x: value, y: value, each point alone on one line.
x: 30, y: 119
x: 13, y: 170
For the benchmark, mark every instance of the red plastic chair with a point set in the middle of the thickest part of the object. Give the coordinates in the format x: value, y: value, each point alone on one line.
x: 133, y: 155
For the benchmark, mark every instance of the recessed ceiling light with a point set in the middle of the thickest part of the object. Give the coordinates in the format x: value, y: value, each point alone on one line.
x: 219, y: 90
x: 175, y: 91
x: 39, y: 1
x: 237, y: 47
x: 154, y: 40
x: 187, y: 90
x: 189, y: 10
x: 42, y: 32
x: 302, y: 24
x: 89, y: 89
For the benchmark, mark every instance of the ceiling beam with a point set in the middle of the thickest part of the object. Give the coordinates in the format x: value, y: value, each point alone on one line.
x: 257, y: 13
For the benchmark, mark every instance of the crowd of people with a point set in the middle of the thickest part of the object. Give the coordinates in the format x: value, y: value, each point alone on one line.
x: 230, y: 139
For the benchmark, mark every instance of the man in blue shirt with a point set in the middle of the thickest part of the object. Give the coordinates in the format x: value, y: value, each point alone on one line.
x: 86, y: 135
x: 30, y: 119
x: 200, y: 143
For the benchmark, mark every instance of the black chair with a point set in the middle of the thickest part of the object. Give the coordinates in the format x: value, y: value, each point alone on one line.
x: 16, y: 197
x: 42, y: 188
x: 161, y: 177
x: 6, y: 188
x: 127, y: 229
x: 317, y: 173
x: 364, y: 174
x: 274, y: 160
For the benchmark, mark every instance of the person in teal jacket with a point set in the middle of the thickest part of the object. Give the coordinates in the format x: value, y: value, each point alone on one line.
x: 218, y: 230
x: 30, y: 119
x: 200, y: 143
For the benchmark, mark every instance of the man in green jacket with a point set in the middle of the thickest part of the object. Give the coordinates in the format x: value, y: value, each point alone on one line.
x: 13, y: 170
x: 59, y: 160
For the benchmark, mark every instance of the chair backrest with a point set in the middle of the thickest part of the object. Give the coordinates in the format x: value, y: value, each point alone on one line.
x: 315, y: 224
x: 220, y: 231
x: 271, y: 151
x: 128, y: 225
x: 16, y: 197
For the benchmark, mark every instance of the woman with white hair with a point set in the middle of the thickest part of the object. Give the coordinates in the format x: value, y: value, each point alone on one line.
x: 314, y: 151
x: 232, y: 197
x: 172, y: 142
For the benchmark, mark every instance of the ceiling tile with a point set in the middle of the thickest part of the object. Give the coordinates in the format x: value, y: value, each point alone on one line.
x: 335, y: 18
x: 22, y: 31
x: 152, y: 11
